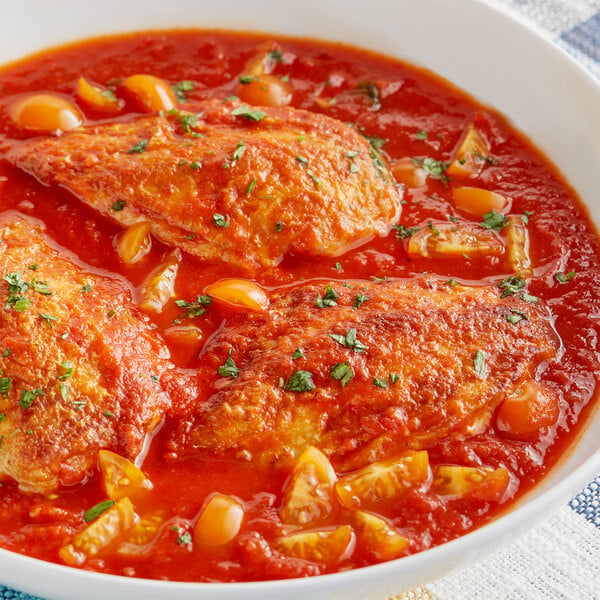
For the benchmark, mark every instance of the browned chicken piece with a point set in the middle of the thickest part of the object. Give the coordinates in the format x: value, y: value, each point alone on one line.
x: 363, y: 371
x: 81, y: 366
x: 225, y: 182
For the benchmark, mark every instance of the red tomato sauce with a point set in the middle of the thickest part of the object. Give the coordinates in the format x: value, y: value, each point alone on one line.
x: 418, y: 116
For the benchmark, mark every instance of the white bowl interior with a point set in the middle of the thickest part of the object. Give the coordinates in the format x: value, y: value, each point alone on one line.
x: 482, y: 50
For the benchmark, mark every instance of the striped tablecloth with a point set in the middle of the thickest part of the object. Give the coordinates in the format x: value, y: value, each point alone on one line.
x: 560, y: 559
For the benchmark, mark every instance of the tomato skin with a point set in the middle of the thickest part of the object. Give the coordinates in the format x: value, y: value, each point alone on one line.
x: 325, y: 546
x: 378, y: 537
x: 479, y: 483
x: 45, y: 113
x: 238, y: 293
x: 150, y: 93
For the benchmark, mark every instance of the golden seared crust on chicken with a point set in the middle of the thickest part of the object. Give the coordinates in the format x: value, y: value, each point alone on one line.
x: 362, y: 371
x: 81, y: 366
x: 242, y: 188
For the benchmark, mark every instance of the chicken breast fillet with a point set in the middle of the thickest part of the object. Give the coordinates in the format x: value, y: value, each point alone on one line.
x: 361, y: 371
x: 224, y: 182
x: 81, y: 366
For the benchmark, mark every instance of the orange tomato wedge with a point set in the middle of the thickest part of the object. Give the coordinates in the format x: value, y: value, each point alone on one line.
x: 470, y: 154
x: 238, y: 293
x: 448, y: 240
x: 45, y: 113
x: 328, y: 546
x: 532, y: 407
x: 108, y: 527
x: 263, y: 90
x: 140, y: 535
x: 134, y: 243
x: 477, y: 201
x: 121, y: 477
x: 378, y: 537
x: 383, y: 479
x: 159, y: 286
x: 219, y: 522
x: 308, y: 496
x: 481, y: 483
x: 150, y: 93
x: 517, y: 238
x: 407, y: 172
x: 96, y: 98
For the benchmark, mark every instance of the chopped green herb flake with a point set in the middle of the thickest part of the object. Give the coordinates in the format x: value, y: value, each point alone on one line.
x: 302, y: 159
x: 376, y: 142
x: 434, y: 168
x: 394, y: 378
x: 108, y: 414
x: 434, y: 230
x: 251, y: 186
x: 494, y: 220
x: 564, y: 277
x: 298, y: 353
x: 342, y: 372
x: 138, y: 147
x: 451, y: 283
x: 195, y: 165
x: 529, y: 298
x: 109, y: 94
x: 69, y: 369
x: 279, y: 226
x: 48, y: 318
x: 96, y: 511
x: 403, y: 232
x: 240, y: 148
x: 380, y: 383
x: 85, y: 288
x: 64, y: 390
x: 193, y: 309
x: 246, y: 112
x: 184, y: 538
x: 479, y: 363
x: 5, y: 386
x: 276, y: 56
x: 181, y: 87
x: 33, y: 267
x: 28, y: 396
x: 229, y: 369
x: 221, y: 220
x: 247, y: 79
x: 281, y: 383
x: 516, y: 316
x: 349, y: 340
x: 300, y: 381
x: 511, y: 285
x: 421, y: 135
x: 329, y: 299
x: 111, y: 313
x: 359, y: 300
x: 6, y: 352
x: 118, y: 206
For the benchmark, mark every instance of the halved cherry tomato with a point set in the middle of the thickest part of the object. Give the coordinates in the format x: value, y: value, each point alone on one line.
x: 121, y: 477
x: 470, y: 155
x: 407, y: 172
x: 140, y: 535
x: 134, y: 243
x: 97, y: 99
x: 327, y: 546
x: 109, y: 526
x: 378, y: 537
x: 517, y: 238
x: 448, y: 240
x: 478, y: 201
x: 150, y: 93
x: 383, y: 479
x: 45, y: 113
x: 532, y: 407
x: 219, y: 522
x: 238, y: 293
x: 159, y: 286
x: 481, y: 483
x: 263, y: 90
x: 308, y: 496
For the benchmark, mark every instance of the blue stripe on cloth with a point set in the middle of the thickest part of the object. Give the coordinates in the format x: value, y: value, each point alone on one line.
x: 587, y: 502
x: 8, y: 594
x: 585, y: 37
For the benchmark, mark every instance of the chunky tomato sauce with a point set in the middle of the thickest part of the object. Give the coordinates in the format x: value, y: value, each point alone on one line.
x: 414, y: 119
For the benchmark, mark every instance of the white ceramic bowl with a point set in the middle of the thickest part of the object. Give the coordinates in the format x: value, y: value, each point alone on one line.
x: 482, y: 50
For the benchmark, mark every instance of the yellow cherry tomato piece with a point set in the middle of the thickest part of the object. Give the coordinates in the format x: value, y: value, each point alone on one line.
x: 45, y: 113
x: 219, y: 522
x: 263, y: 90
x: 121, y: 477
x: 407, y: 172
x: 150, y: 93
x: 481, y: 483
x: 238, y: 293
x: 134, y: 243
x: 159, y: 286
x: 378, y: 537
x: 383, y: 479
x: 478, y: 201
x: 97, y: 99
x: 517, y: 238
x: 328, y: 546
x: 99, y: 534
x: 470, y: 155
x: 308, y: 496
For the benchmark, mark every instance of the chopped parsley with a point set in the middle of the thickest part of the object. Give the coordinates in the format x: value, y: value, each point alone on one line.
x: 118, y: 206
x: 394, y: 378
x: 69, y: 370
x: 300, y: 381
x: 85, y: 288
x: 298, y: 353
x: 17, y: 286
x: 138, y: 147
x: 64, y: 391
x: 403, y: 232
x: 240, y: 148
x: 221, y: 220
x: 195, y: 165
x: 109, y: 94
x: 330, y: 298
x: 279, y: 226
x: 5, y: 385
x: 247, y: 79
x: 315, y: 179
x: 229, y: 369
x: 193, y: 309
x: 41, y: 287
x: 511, y: 285
x: 275, y: 56
x: 359, y: 300
x: 434, y: 230
x: 184, y: 538
x: 342, y: 372
x: 188, y: 121
x: 181, y: 87
x: 516, y: 316
x: 6, y: 352
x: 349, y: 340
x: 48, y: 318
x: 564, y: 277
x: 479, y: 363
x: 96, y: 511
x: 246, y: 112
x: 434, y: 168
x: 28, y: 396
x: 451, y: 283
x: 376, y: 142
x: 302, y: 159
x: 494, y: 220
x: 525, y: 216
x: 421, y: 135
x: 380, y: 383
x: 372, y: 92
x: 251, y: 186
